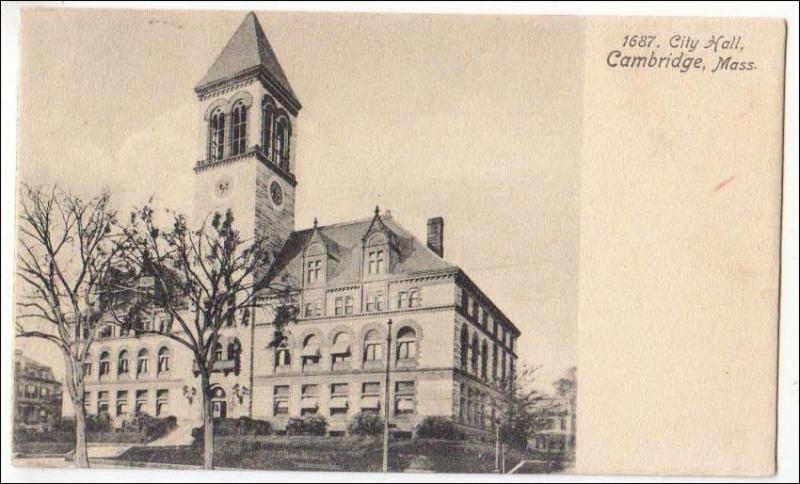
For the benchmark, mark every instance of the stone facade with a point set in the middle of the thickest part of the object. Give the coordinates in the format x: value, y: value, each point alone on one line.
x: 352, y: 279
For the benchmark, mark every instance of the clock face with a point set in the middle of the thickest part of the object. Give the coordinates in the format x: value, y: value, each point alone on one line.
x: 223, y: 186
x: 276, y: 192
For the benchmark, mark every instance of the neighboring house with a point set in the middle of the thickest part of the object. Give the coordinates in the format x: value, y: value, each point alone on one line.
x: 37, y: 393
x: 451, y: 347
x: 556, y: 422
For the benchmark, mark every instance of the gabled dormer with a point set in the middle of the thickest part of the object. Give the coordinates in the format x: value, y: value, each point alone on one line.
x: 320, y: 258
x: 379, y: 248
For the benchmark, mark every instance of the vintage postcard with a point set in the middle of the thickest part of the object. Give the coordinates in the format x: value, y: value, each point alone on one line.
x: 323, y: 242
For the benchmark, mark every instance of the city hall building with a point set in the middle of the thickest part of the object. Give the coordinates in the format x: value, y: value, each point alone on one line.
x: 451, y: 347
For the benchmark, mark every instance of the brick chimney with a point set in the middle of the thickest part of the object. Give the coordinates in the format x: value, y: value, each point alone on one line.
x: 436, y: 235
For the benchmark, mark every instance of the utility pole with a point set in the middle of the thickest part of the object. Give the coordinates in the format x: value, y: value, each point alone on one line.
x: 386, y: 400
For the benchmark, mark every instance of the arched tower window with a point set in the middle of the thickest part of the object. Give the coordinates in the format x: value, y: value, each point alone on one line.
x: 267, y: 121
x: 238, y: 129
x: 283, y: 133
x: 216, y: 135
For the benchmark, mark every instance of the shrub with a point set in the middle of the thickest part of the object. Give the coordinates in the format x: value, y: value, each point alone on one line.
x: 439, y: 428
x: 226, y: 427
x: 99, y: 423
x: 308, y: 425
x: 364, y: 424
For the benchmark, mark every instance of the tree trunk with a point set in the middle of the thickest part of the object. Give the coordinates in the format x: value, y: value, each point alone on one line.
x: 81, y: 454
x: 208, y: 424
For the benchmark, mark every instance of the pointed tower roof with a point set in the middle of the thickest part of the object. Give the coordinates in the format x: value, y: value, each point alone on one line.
x: 246, y: 54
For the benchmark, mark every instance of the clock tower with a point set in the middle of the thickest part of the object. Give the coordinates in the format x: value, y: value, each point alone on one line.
x: 248, y: 121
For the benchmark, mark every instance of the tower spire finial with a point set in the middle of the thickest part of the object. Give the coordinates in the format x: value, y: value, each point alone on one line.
x: 377, y: 210
x: 316, y: 222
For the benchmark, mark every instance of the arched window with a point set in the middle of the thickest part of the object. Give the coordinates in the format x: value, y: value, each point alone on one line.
x: 494, y: 362
x: 105, y: 364
x: 484, y: 359
x: 310, y: 356
x: 216, y: 135
x: 283, y: 357
x: 219, y: 407
x: 141, y: 362
x: 340, y: 352
x: 122, y: 363
x: 163, y: 360
x: 283, y: 132
x: 464, y: 347
x: 218, y: 353
x: 238, y: 129
x: 475, y: 352
x: 372, y: 346
x: 406, y: 344
x: 267, y: 120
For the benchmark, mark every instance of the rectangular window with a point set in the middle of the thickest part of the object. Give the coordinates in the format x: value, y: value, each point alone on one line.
x: 379, y: 262
x: 280, y: 405
x: 318, y: 308
x: 141, y: 401
x: 372, y: 351
x: 402, y: 300
x: 338, y: 306
x: 339, y: 389
x: 122, y: 403
x: 102, y: 402
x: 309, y: 310
x: 348, y: 304
x: 371, y: 397
x: 414, y: 299
x: 87, y: 400
x: 162, y: 402
x: 375, y: 302
x: 404, y: 398
x: 309, y: 401
x: 87, y: 369
x: 339, y: 399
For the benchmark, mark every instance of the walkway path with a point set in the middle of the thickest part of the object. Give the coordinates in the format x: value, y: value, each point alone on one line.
x: 181, y: 435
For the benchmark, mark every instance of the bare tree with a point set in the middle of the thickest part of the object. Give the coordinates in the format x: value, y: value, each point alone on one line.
x: 65, y: 251
x: 203, y: 279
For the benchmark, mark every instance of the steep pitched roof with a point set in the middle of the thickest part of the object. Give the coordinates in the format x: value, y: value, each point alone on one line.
x: 413, y: 256
x: 247, y: 50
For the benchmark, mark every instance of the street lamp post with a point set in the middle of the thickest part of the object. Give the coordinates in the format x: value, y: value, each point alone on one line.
x: 386, y: 400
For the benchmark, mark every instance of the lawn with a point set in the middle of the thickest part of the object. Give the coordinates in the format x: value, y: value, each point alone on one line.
x: 331, y: 453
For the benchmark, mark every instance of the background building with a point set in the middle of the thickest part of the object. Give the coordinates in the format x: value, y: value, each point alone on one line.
x: 451, y: 347
x: 37, y: 393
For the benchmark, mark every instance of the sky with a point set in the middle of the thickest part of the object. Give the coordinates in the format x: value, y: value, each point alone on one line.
x: 476, y: 119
